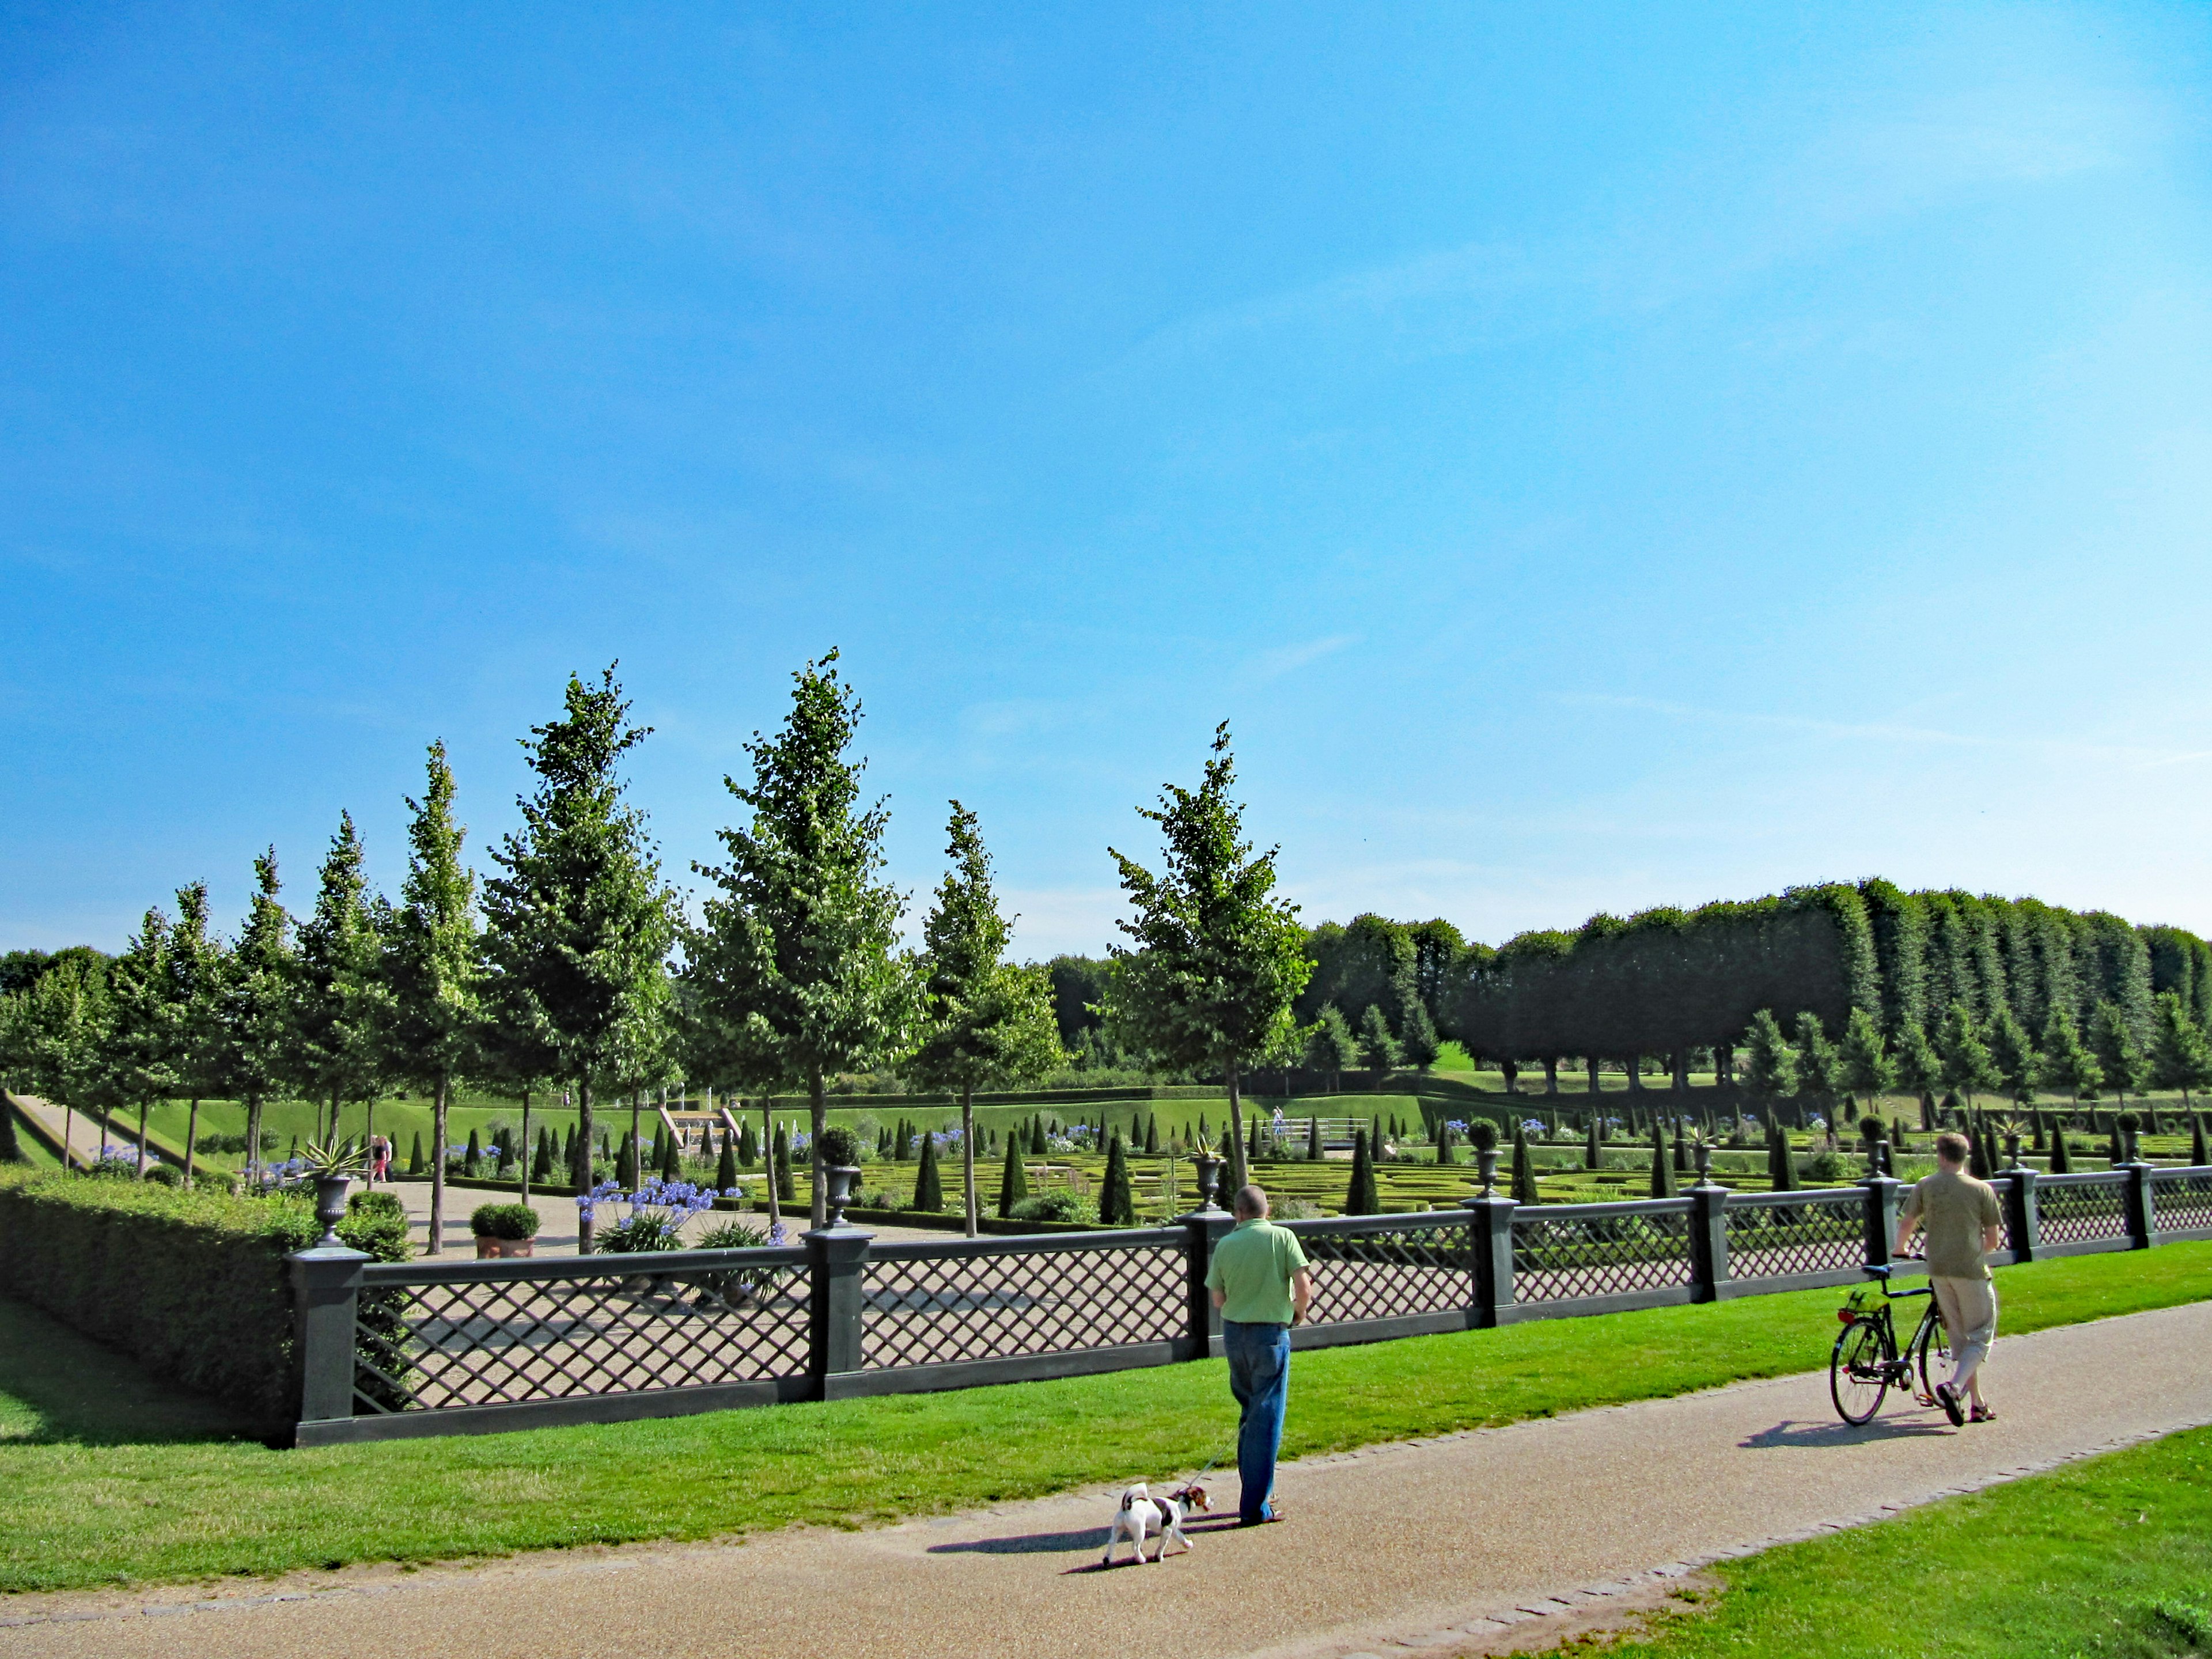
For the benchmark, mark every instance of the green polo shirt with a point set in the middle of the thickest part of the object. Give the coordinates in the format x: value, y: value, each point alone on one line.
x: 1253, y: 1266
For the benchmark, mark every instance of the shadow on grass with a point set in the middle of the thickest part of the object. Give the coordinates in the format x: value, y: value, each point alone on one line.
x: 59, y: 1388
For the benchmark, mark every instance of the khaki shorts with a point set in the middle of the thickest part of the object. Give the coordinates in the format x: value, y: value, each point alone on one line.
x: 1970, y: 1316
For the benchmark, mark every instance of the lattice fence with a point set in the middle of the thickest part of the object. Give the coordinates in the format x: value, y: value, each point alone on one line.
x: 463, y: 1341
x: 939, y: 1307
x: 1382, y: 1274
x: 2071, y: 1214
x: 2181, y: 1200
x: 1559, y: 1255
x: 1770, y: 1236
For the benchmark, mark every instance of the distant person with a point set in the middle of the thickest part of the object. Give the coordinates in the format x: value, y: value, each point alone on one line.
x: 380, y: 1160
x: 1261, y: 1286
x: 1961, y: 1221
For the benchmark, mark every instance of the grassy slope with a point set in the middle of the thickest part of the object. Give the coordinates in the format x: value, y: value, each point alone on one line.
x: 2072, y: 1562
x: 100, y: 1481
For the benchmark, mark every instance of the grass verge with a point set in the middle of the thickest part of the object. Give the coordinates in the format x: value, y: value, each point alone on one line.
x: 106, y: 1479
x: 2111, y: 1555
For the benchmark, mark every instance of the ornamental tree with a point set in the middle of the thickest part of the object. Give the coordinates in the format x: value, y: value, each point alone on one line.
x: 257, y: 1004
x: 798, y: 962
x: 987, y: 1023
x: 338, y: 997
x: 433, y: 968
x: 1218, y: 960
x: 578, y: 925
x: 2180, y: 1055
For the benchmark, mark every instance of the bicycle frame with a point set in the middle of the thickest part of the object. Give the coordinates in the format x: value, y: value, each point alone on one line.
x: 1850, y: 1366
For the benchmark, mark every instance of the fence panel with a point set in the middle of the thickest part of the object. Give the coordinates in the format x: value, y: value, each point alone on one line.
x: 995, y: 1299
x: 2181, y: 1200
x: 435, y: 1336
x: 1782, y: 1235
x: 2090, y: 1208
x: 1577, y: 1252
x: 1381, y: 1267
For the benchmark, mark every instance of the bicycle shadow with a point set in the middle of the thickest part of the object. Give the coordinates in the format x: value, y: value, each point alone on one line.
x: 1053, y: 1543
x: 1790, y: 1432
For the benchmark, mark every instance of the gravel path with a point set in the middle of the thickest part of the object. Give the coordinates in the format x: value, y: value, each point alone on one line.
x: 1442, y: 1547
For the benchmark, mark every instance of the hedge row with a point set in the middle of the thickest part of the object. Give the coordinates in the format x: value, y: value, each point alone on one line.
x: 191, y: 1284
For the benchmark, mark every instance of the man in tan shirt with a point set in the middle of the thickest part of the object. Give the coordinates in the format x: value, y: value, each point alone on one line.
x: 1962, y: 1221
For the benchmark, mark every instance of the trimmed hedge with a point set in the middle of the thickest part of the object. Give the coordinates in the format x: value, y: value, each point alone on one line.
x: 191, y: 1284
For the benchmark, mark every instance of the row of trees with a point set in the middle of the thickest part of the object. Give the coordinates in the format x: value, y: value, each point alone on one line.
x: 1668, y: 982
x: 578, y: 966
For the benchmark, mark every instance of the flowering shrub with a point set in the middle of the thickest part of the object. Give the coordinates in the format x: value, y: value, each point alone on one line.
x: 658, y: 1211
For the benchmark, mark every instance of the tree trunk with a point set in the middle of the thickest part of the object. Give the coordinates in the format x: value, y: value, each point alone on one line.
x: 583, y: 1172
x: 68, y: 1133
x: 1237, y: 1174
x: 1680, y: 1068
x: 253, y: 1141
x: 437, y: 1244
x: 1589, y: 1063
x: 1636, y: 1074
x: 1551, y: 1074
x: 191, y: 1136
x: 1724, y: 1065
x: 968, y: 1153
x: 636, y: 1136
x: 818, y: 1118
x: 142, y: 1139
x: 527, y: 1151
x: 767, y: 1157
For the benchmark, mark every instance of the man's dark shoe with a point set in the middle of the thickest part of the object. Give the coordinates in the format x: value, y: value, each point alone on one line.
x: 1948, y: 1398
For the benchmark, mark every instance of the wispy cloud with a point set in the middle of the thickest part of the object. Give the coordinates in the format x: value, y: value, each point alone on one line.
x: 1289, y: 659
x: 2140, y: 756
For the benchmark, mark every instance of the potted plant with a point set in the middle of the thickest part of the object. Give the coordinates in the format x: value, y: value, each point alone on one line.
x: 841, y: 1168
x: 1484, y: 1133
x: 331, y: 1165
x: 504, y: 1230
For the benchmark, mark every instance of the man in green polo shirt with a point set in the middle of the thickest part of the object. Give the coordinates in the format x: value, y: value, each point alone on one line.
x: 1261, y: 1286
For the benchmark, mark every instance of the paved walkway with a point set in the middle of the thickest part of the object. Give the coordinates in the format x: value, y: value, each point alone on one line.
x: 1444, y: 1546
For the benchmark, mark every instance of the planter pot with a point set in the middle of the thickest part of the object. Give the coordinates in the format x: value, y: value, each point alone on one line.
x: 837, y: 1183
x: 330, y: 1209
x: 494, y: 1248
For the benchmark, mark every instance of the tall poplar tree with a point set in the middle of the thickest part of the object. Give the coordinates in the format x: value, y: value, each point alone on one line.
x: 2068, y: 1064
x: 2012, y: 1053
x: 1862, y: 1063
x: 2120, y: 1057
x: 798, y: 959
x: 1967, y: 1067
x: 257, y: 1004
x: 196, y: 966
x: 338, y: 1000
x: 434, y: 970
x: 1218, y: 960
x: 2180, y: 1056
x: 139, y: 1049
x: 578, y: 926
x: 1770, y: 1063
x: 988, y: 1024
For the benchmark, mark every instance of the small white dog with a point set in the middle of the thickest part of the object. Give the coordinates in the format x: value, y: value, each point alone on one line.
x: 1139, y: 1512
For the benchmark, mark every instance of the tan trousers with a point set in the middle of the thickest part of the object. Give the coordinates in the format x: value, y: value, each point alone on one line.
x: 1969, y: 1315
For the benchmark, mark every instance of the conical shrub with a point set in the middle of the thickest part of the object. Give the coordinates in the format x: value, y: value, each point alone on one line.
x: 1662, y: 1167
x: 1524, y: 1169
x: 787, y: 1189
x: 726, y: 1168
x: 748, y: 1145
x: 1313, y: 1141
x: 1152, y: 1135
x: 2062, y: 1157
x: 1360, y: 1197
x: 1117, y: 1204
x: 670, y: 1166
x: 414, y: 1155
x: 1593, y: 1157
x: 626, y: 1164
x: 928, y: 1184
x: 472, y: 1160
x: 1013, y: 1179
x: 2196, y: 1141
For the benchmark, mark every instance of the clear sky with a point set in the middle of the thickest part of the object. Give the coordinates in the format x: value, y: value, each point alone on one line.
x: 1596, y: 456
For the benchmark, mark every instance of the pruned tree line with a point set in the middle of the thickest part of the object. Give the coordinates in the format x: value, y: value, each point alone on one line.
x: 574, y: 965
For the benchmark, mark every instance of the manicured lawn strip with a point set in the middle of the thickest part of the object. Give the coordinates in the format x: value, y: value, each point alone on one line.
x: 2071, y: 1562
x: 84, y: 1500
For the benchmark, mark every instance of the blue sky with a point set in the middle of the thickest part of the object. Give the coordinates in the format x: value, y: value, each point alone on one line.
x: 1596, y: 457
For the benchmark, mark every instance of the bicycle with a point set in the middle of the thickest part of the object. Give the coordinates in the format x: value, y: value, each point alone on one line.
x: 1867, y: 1362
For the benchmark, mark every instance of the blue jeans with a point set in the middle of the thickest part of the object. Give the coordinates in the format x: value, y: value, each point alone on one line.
x: 1260, y: 1378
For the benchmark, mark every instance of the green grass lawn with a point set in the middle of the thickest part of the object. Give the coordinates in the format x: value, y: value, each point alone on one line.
x: 2111, y: 1555
x: 107, y: 1479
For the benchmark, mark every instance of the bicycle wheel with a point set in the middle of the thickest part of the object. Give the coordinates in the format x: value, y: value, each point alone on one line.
x: 1858, y: 1376
x: 1932, y: 1347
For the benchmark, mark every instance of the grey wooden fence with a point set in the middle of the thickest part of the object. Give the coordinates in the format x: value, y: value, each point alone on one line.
x: 392, y: 1349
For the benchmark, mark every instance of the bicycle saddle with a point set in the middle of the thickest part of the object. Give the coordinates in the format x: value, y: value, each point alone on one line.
x: 1877, y: 1270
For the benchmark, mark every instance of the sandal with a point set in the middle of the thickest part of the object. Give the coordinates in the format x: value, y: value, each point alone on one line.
x: 1983, y: 1414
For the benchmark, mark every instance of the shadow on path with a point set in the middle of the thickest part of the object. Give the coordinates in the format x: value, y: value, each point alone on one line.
x: 1789, y: 1432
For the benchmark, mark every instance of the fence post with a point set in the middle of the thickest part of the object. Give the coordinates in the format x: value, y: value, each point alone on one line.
x: 2023, y: 1216
x: 2143, y: 1215
x: 1880, y: 1217
x: 1489, y: 1242
x: 1202, y: 1231
x: 835, y: 1259
x: 326, y: 1298
x: 1709, y: 1257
